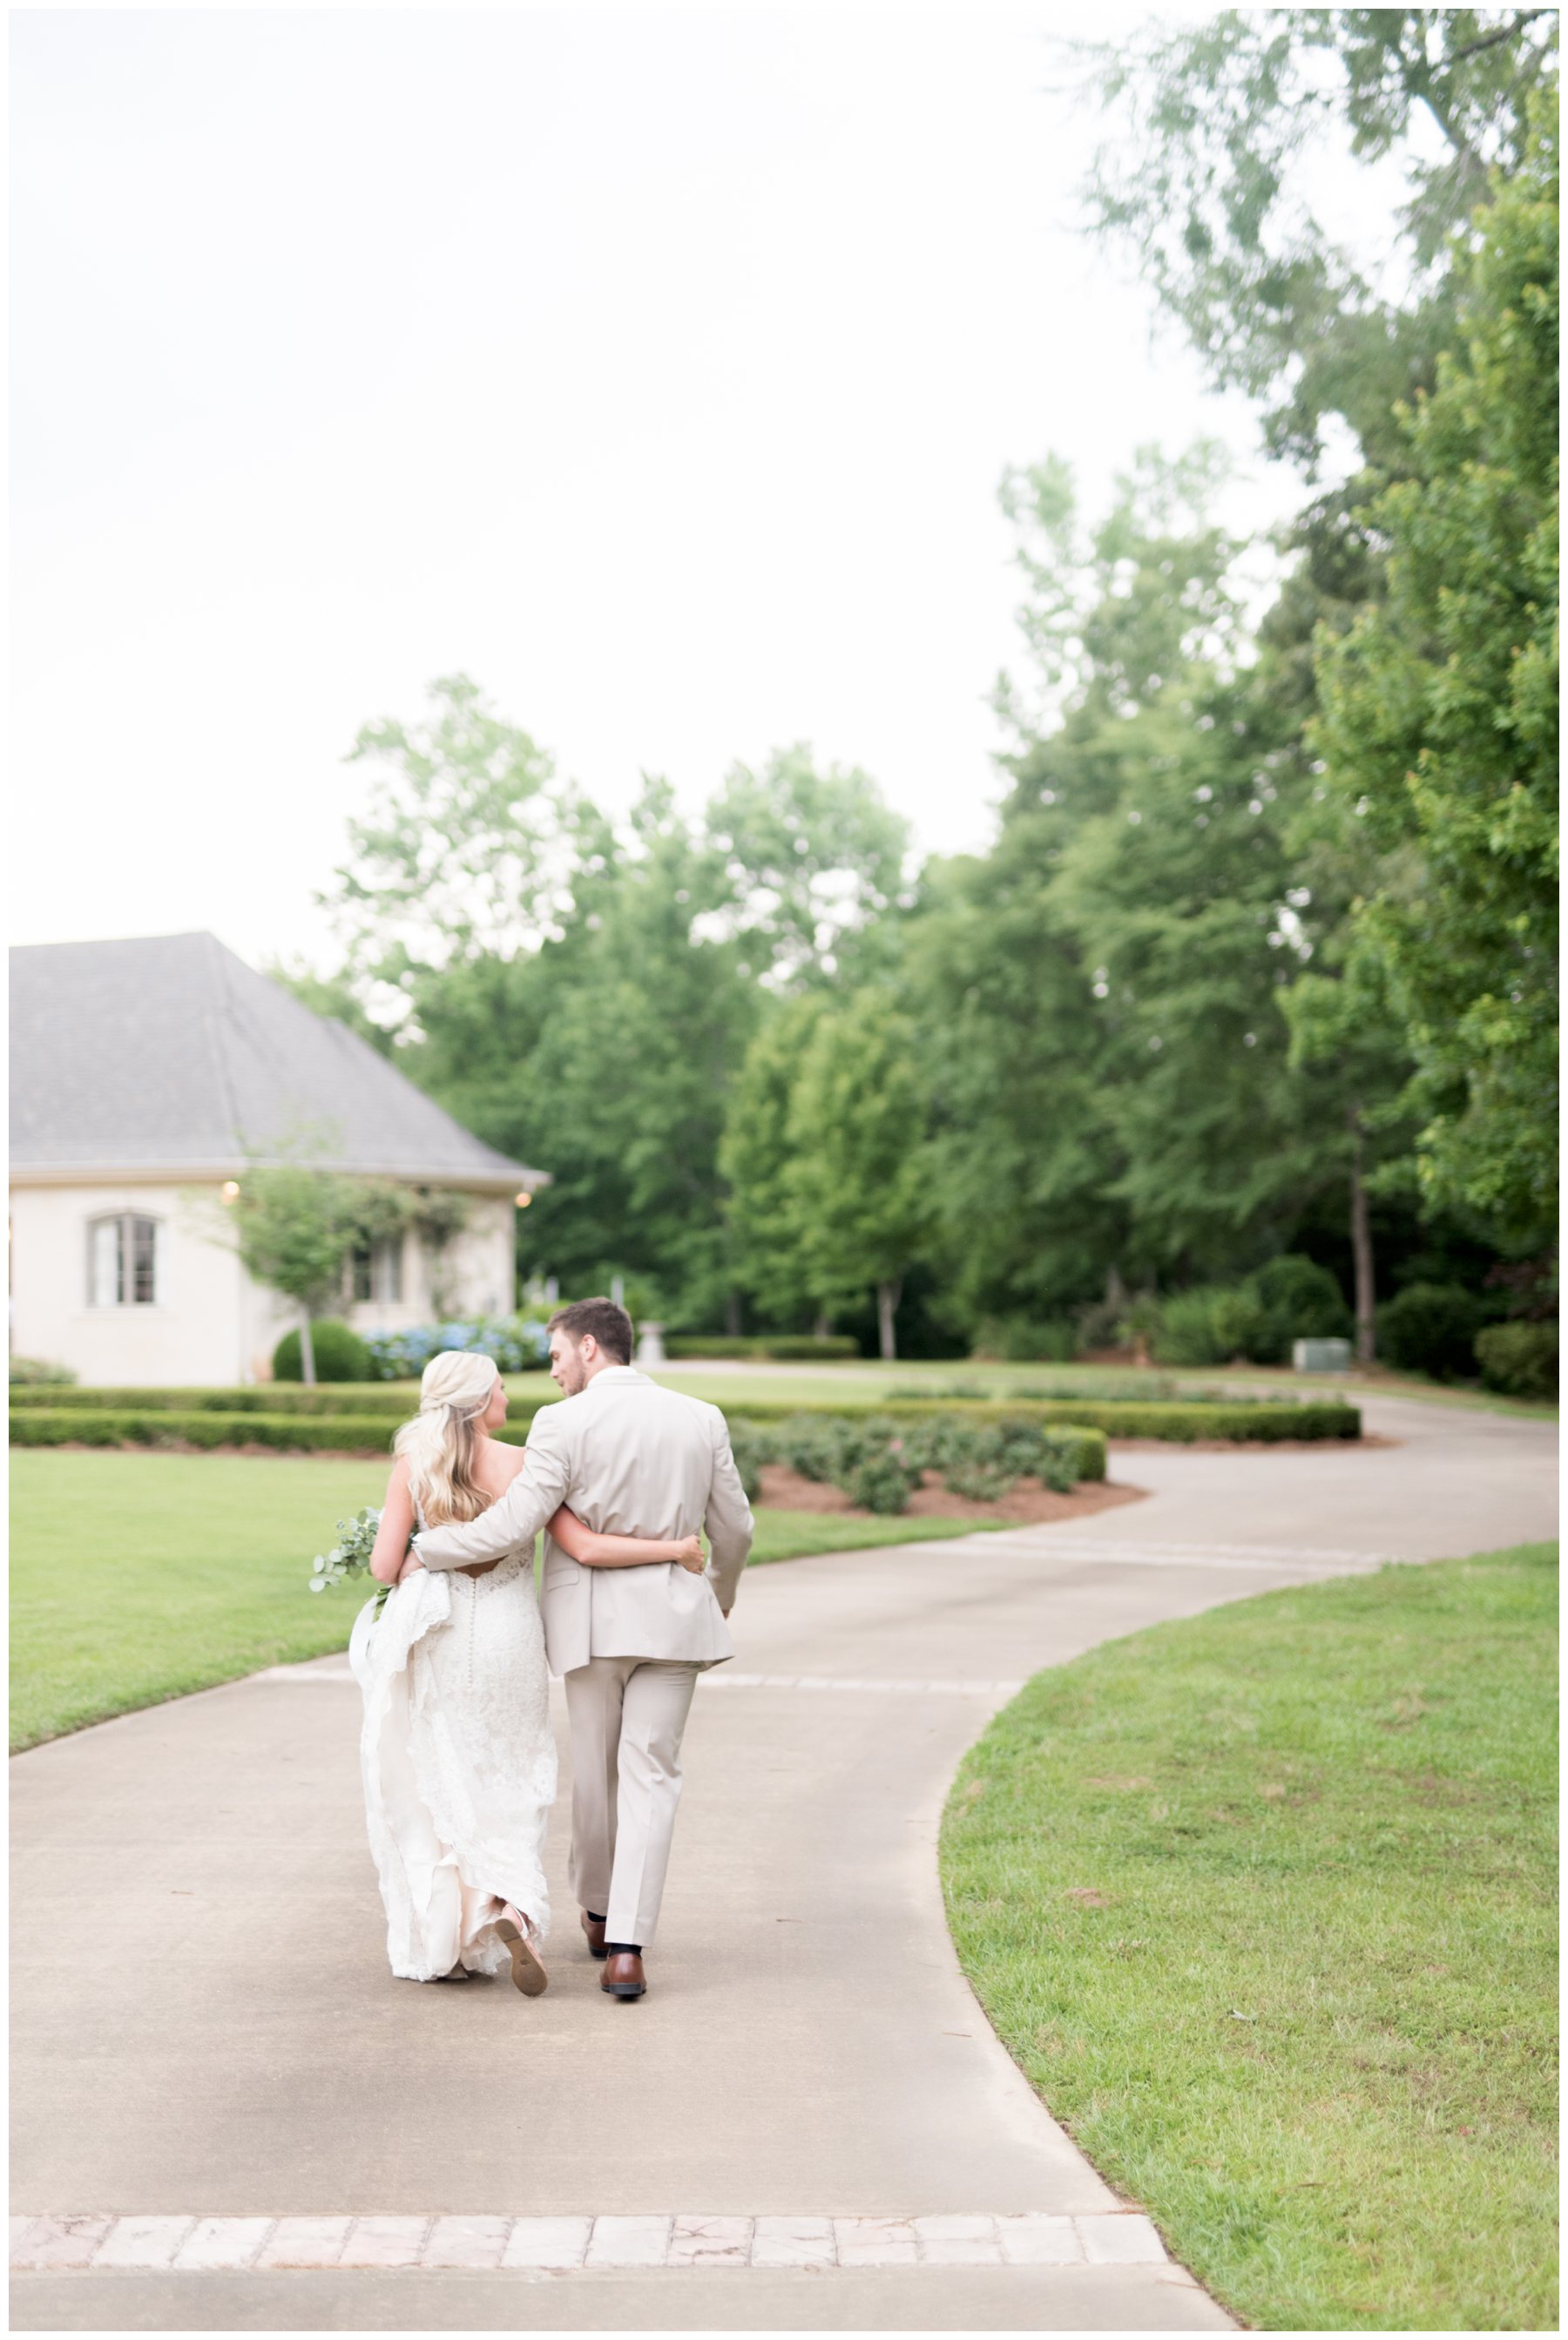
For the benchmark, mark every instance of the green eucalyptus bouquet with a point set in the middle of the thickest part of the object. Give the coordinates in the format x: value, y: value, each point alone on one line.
x: 350, y: 1555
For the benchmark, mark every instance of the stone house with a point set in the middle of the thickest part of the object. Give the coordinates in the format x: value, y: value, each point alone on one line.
x: 146, y: 1076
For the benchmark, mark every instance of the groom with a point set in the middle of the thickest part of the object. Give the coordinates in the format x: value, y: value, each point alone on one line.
x: 630, y: 1459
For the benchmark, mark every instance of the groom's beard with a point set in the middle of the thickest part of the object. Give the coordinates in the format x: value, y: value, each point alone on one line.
x: 570, y: 1379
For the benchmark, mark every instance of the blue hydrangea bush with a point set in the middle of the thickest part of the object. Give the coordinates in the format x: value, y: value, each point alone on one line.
x: 519, y: 1344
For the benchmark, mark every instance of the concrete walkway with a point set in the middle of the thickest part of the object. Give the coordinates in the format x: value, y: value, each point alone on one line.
x: 808, y: 2124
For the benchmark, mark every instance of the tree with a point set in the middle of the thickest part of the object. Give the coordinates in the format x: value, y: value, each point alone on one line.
x: 756, y: 1158
x: 472, y: 844
x: 1103, y: 995
x: 814, y: 859
x: 859, y: 1175
x: 294, y: 1228
x: 1220, y: 130
x: 1439, y: 724
x: 581, y: 992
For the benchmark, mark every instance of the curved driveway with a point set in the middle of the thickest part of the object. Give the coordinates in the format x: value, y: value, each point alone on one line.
x: 204, y: 2028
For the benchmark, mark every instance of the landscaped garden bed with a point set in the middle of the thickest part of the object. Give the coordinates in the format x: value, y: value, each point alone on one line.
x: 1026, y: 1503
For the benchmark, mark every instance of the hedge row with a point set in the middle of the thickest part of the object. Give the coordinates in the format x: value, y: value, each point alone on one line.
x: 769, y: 1348
x: 106, y: 1426
x: 1126, y: 1418
x: 307, y: 1419
x: 389, y: 1401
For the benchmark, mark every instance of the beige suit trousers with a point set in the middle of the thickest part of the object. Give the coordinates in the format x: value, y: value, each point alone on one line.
x: 626, y: 1716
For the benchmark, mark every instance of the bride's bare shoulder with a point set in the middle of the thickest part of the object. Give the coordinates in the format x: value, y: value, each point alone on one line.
x: 501, y: 1465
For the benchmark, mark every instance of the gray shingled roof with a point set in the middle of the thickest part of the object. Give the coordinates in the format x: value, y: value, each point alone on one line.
x: 168, y: 1053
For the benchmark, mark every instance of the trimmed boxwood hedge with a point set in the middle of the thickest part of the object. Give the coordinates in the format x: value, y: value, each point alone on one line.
x: 358, y: 1416
x: 393, y: 1400
x: 770, y: 1348
x: 1127, y: 1418
x: 106, y: 1426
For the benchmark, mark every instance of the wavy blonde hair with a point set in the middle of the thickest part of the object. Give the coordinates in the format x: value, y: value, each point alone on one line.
x: 438, y: 1444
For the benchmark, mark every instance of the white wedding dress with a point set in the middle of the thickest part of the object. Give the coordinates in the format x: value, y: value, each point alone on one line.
x: 458, y: 1758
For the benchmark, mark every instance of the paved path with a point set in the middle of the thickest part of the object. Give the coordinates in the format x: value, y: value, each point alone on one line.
x: 808, y: 2123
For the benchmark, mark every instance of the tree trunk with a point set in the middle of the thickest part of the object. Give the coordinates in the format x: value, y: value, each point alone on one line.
x: 887, y: 1307
x: 307, y: 1349
x: 733, y: 1315
x: 823, y: 1325
x: 1361, y: 1248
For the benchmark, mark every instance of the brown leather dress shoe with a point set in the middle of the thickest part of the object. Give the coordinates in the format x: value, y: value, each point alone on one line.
x: 594, y: 1930
x: 623, y: 1976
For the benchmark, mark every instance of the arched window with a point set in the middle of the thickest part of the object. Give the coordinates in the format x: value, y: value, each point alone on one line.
x: 124, y: 1261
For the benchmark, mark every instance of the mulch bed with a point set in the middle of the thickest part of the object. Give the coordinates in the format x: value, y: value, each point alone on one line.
x: 1028, y: 1502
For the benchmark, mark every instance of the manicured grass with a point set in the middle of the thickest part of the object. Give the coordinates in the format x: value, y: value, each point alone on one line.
x: 140, y: 1577
x: 1264, y: 1904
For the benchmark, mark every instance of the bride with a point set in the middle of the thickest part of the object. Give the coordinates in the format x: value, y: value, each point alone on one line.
x: 457, y: 1753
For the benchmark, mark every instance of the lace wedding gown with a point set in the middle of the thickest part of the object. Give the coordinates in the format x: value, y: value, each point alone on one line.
x: 458, y: 1760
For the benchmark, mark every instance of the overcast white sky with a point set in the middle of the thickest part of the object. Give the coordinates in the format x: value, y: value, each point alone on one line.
x: 655, y: 366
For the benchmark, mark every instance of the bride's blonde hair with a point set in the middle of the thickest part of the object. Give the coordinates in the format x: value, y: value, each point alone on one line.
x: 438, y: 1444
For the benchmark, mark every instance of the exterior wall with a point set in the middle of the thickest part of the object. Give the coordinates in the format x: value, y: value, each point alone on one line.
x: 210, y: 1326
x: 202, y: 1331
x: 475, y: 1274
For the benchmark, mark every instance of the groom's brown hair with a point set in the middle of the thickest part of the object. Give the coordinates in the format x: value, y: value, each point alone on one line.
x: 605, y: 1319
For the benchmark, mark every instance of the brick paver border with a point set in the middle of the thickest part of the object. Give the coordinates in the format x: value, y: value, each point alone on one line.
x: 206, y: 2246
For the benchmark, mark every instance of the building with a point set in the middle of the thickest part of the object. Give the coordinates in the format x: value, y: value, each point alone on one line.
x: 146, y: 1077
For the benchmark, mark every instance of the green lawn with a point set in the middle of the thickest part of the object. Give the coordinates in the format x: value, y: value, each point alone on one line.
x: 139, y: 1577
x: 1264, y: 1905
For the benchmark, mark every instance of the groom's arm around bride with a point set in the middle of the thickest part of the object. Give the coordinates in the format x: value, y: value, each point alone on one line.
x: 629, y: 1458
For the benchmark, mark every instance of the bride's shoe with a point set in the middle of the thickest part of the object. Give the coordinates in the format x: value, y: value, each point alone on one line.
x: 527, y: 1972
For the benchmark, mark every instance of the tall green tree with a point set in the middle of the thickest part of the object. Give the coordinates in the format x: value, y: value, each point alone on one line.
x: 757, y: 1156
x: 1439, y: 726
x: 1116, y: 1098
x: 814, y: 859
x: 859, y: 1171
x: 581, y: 992
x: 1223, y: 132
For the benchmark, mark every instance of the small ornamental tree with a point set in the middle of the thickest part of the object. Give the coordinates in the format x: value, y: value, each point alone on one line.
x: 294, y: 1227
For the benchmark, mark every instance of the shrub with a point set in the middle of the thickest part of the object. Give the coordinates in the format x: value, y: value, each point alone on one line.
x: 1291, y: 1299
x: 33, y: 1373
x: 519, y: 1344
x: 1185, y: 1334
x: 341, y: 1355
x: 1519, y: 1359
x: 1244, y: 1420
x: 782, y: 1348
x: 289, y: 1433
x: 881, y: 1482
x: 1302, y: 1299
x: 752, y: 1447
x: 393, y: 1404
x: 1022, y: 1341
x: 1241, y: 1325
x: 1431, y: 1328
x: 981, y: 1460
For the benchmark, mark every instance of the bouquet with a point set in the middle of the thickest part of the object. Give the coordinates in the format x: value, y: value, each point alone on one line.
x: 350, y: 1555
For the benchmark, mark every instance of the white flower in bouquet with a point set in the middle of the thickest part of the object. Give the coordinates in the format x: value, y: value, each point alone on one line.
x: 350, y: 1555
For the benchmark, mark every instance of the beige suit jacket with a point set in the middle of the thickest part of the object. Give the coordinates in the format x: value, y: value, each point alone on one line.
x: 630, y: 1459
